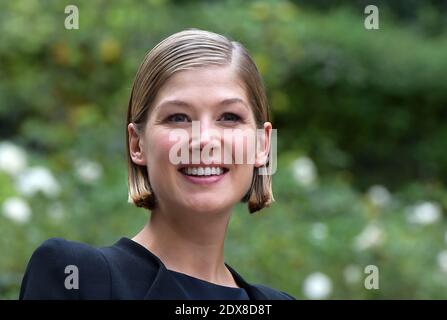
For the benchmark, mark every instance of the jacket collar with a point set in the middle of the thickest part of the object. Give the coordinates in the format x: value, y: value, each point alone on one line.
x: 164, y: 287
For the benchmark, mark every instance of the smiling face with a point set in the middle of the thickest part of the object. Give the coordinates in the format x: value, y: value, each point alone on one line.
x: 217, y: 99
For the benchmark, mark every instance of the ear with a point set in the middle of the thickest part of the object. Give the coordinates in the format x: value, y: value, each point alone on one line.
x: 136, y: 149
x: 263, y: 145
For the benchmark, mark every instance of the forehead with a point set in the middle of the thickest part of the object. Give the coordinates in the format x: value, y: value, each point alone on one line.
x: 204, y: 85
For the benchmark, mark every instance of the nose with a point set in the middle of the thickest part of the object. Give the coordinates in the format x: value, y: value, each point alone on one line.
x: 204, y: 133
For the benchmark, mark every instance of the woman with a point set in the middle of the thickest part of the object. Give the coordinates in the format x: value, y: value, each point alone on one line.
x: 195, y: 94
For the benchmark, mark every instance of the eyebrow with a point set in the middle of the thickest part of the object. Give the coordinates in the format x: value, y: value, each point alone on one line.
x: 181, y: 103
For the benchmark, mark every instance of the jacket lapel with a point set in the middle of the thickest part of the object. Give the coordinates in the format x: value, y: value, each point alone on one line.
x: 165, y: 287
x: 253, y: 292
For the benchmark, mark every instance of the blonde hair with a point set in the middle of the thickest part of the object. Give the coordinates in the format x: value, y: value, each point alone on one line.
x: 182, y: 51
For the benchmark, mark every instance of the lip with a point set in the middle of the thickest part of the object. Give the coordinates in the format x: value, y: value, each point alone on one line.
x: 203, y: 165
x: 204, y: 180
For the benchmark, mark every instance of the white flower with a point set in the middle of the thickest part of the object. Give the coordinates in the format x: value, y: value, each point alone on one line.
x: 12, y: 158
x: 16, y: 209
x: 88, y: 171
x: 370, y: 237
x: 304, y: 171
x: 352, y: 274
x: 379, y: 196
x: 442, y: 260
x: 317, y: 286
x: 424, y: 213
x: 37, y: 179
x: 319, y: 231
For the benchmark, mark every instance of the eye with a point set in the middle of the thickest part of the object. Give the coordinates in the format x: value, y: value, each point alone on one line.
x: 178, y: 117
x: 228, y: 116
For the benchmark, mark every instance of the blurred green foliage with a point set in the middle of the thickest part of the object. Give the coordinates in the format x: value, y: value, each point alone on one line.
x: 368, y: 107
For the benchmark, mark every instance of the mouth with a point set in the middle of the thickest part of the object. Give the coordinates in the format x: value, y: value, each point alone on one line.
x: 200, y: 171
x: 203, y: 175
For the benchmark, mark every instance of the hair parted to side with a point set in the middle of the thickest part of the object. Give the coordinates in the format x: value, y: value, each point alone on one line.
x: 186, y: 50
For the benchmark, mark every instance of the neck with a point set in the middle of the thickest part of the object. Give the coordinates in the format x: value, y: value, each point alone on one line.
x: 189, y: 243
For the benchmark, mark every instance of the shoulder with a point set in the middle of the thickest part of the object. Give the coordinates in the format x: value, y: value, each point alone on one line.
x: 61, y: 269
x: 273, y: 294
x: 59, y: 251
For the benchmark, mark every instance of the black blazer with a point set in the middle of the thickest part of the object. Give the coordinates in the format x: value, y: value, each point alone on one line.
x: 125, y: 270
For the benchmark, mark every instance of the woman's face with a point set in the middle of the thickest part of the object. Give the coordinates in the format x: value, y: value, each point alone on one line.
x: 198, y: 95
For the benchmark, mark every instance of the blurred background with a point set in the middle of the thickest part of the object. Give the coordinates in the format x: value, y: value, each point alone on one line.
x: 361, y: 117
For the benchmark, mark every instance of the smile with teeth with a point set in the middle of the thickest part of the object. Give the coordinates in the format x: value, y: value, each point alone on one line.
x: 203, y: 171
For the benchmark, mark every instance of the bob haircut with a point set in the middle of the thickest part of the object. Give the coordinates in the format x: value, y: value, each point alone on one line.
x: 186, y: 50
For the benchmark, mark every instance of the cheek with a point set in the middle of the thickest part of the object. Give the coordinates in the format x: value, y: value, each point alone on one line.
x: 243, y: 148
x: 159, y: 165
x: 158, y: 149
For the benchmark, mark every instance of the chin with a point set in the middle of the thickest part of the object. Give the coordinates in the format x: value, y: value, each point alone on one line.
x: 206, y: 204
